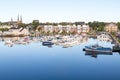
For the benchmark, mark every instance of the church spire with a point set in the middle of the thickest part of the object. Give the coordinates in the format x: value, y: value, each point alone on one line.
x: 21, y: 18
x: 11, y: 22
x: 18, y: 18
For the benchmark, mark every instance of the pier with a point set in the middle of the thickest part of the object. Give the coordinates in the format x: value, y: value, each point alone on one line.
x: 116, y: 48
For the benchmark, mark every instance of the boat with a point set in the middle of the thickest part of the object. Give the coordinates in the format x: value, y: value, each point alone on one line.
x: 9, y: 43
x: 97, y: 48
x: 47, y: 43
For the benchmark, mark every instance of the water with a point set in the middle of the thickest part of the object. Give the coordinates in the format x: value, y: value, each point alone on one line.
x: 37, y: 62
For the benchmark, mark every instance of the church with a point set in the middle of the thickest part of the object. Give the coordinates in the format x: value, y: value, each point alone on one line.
x: 15, y: 23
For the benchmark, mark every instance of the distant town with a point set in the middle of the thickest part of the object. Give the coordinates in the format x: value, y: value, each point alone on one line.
x: 17, y: 27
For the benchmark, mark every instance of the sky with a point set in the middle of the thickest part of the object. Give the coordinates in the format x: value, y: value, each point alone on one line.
x: 60, y: 10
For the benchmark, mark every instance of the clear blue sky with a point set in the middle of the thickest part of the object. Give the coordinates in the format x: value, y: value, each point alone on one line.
x: 61, y: 10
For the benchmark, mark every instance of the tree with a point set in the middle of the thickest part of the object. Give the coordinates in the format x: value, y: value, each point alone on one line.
x: 97, y: 26
x: 35, y: 24
x: 118, y: 24
x: 63, y: 23
x: 0, y: 23
x: 4, y: 29
x: 22, y: 25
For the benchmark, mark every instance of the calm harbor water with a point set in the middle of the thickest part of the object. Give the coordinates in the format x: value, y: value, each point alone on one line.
x: 36, y: 62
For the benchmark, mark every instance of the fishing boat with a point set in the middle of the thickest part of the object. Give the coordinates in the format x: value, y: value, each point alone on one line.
x: 97, y: 48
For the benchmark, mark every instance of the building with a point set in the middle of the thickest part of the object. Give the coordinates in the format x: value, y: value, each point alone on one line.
x: 15, y: 23
x: 111, y: 27
x: 85, y: 28
x: 104, y: 37
x: 16, y: 32
x: 67, y: 28
x: 48, y: 28
x: 5, y: 26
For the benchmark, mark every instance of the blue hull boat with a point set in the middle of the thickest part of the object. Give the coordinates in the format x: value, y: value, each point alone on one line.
x: 97, y: 48
x: 47, y: 43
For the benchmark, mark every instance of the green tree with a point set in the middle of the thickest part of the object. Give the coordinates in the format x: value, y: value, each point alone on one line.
x: 63, y: 23
x: 118, y: 25
x: 35, y: 24
x: 97, y: 26
x: 4, y: 29
x: 22, y: 25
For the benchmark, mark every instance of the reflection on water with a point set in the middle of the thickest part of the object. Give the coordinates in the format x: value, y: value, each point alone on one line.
x: 65, y: 60
x: 64, y: 41
x: 95, y: 54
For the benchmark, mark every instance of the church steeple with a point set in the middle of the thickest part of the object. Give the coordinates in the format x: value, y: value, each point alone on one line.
x: 11, y: 22
x: 21, y: 18
x: 18, y: 18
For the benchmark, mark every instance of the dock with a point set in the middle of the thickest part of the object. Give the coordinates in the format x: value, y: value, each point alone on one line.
x: 116, y: 48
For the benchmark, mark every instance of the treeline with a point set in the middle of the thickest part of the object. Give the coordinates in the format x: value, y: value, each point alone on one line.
x: 95, y: 25
x: 4, y: 29
x: 99, y: 26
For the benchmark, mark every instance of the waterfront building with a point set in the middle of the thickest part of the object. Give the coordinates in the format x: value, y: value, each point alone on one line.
x: 104, y: 37
x: 67, y: 28
x: 111, y: 27
x: 48, y: 28
x: 59, y: 28
x: 79, y: 29
x: 5, y: 26
x: 85, y: 28
x: 16, y: 32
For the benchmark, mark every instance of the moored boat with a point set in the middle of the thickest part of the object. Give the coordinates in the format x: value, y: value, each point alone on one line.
x: 97, y: 48
x: 47, y: 43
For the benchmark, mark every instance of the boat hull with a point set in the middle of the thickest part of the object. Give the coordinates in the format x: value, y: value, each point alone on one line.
x: 101, y: 51
x: 47, y: 43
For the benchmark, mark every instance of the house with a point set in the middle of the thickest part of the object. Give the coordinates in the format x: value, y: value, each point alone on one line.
x: 73, y: 28
x: 111, y: 27
x: 60, y: 29
x: 85, y: 28
x: 48, y: 28
x: 104, y: 37
x: 5, y: 26
x: 16, y: 32
x: 79, y: 29
x: 66, y: 28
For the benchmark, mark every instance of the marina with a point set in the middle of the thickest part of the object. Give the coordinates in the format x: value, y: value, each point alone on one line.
x: 69, y: 62
x: 60, y: 40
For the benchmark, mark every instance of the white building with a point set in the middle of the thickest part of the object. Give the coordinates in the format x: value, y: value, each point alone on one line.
x: 104, y: 37
x: 5, y: 26
x: 48, y: 28
x: 60, y: 28
x: 17, y: 31
x: 67, y: 28
x: 85, y: 28
x: 79, y: 29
